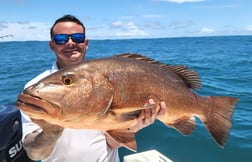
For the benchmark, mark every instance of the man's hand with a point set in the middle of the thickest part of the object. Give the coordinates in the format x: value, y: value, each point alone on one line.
x: 39, y: 145
x: 148, y: 116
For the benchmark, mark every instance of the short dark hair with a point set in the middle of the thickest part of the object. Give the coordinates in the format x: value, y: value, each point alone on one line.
x: 67, y: 18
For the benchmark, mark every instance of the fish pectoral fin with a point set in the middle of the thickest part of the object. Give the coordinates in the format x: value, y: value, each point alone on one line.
x: 129, y: 113
x: 185, y: 125
x: 123, y: 138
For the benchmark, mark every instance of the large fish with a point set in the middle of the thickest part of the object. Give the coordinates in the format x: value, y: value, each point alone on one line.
x: 108, y: 94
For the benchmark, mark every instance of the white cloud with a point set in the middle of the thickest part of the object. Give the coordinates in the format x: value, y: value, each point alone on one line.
x: 181, y: 24
x: 127, y: 29
x: 180, y: 1
x: 25, y: 31
x: 249, y: 28
x: 154, y: 26
x: 207, y: 30
x: 118, y: 24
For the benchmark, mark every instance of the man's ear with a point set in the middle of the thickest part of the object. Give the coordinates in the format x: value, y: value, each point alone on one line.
x: 51, y: 45
x: 86, y: 43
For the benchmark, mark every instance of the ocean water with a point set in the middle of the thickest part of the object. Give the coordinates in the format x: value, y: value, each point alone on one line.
x: 224, y: 65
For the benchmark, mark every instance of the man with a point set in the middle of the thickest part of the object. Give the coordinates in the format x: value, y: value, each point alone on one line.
x: 53, y: 143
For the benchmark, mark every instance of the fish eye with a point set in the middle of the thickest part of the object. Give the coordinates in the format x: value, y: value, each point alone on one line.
x: 67, y: 80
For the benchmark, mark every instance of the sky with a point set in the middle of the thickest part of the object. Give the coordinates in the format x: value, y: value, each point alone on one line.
x: 23, y: 20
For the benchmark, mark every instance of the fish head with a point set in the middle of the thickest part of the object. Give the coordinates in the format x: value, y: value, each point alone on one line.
x: 68, y: 96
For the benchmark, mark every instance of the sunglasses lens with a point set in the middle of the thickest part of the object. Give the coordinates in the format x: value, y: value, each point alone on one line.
x: 78, y: 37
x: 63, y: 38
x: 60, y: 38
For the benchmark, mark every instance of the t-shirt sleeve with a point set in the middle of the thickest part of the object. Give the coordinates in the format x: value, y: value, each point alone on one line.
x: 28, y: 126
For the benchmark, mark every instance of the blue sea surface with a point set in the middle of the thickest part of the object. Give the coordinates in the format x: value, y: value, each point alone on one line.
x: 224, y: 65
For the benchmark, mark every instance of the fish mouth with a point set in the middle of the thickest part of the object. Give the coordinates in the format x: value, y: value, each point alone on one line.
x: 35, y: 106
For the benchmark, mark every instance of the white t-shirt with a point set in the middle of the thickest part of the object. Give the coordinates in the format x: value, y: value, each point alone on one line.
x: 73, y: 145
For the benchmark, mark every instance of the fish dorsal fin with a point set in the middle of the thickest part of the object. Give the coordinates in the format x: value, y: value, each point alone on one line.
x: 190, y: 77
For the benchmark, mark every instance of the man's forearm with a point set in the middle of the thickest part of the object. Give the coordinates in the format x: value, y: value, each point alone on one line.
x: 39, y: 145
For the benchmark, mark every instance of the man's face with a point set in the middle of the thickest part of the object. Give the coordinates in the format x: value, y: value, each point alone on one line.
x: 70, y: 52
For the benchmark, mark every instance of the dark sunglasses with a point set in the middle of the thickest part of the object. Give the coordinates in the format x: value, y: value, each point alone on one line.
x: 63, y: 38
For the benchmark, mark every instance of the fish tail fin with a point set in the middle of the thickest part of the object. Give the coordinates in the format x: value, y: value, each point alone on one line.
x: 219, y: 117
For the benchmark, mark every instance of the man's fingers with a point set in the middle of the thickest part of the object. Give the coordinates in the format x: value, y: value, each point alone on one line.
x: 162, y: 108
x: 151, y: 101
x: 148, y: 116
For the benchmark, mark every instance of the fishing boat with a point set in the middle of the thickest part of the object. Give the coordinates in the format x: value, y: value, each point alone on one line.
x: 11, y: 148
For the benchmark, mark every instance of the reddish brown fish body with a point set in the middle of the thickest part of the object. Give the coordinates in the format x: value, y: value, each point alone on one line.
x: 108, y: 94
